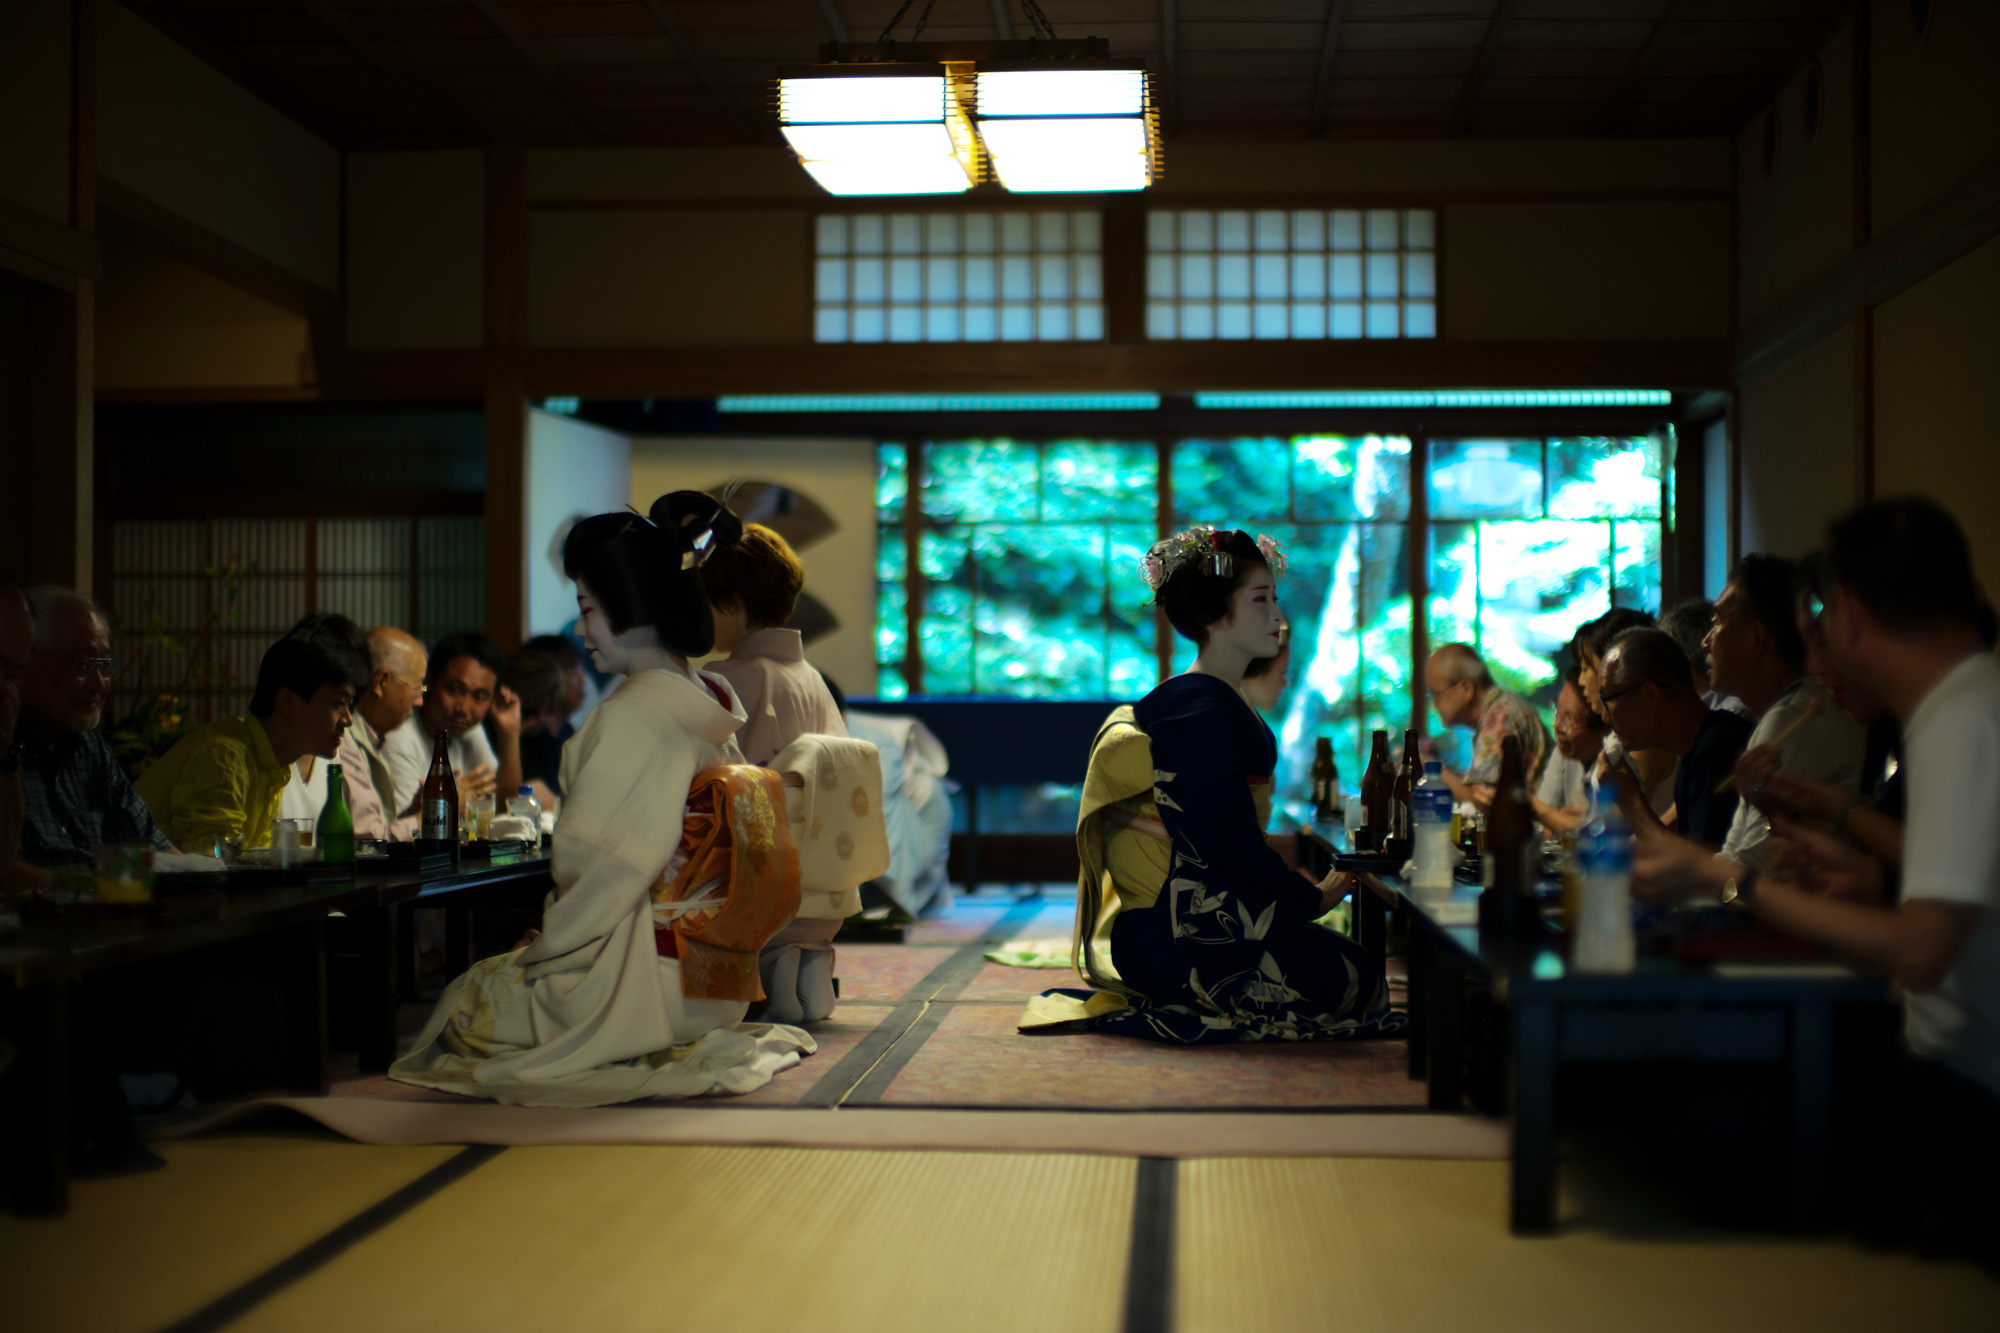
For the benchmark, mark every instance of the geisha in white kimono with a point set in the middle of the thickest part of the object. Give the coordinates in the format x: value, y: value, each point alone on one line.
x: 673, y: 864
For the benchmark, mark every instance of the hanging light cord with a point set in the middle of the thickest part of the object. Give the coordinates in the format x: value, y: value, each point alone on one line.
x: 1038, y: 20
x: 887, y: 37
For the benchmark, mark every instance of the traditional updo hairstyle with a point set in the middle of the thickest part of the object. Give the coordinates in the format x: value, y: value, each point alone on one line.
x: 646, y: 570
x: 759, y: 570
x: 1194, y: 599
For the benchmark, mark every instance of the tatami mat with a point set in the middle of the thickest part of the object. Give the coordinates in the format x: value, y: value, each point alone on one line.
x: 1416, y: 1246
x: 138, y: 1252
x: 610, y: 1239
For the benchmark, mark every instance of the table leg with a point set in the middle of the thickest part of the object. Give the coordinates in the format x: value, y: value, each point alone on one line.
x: 34, y: 1102
x: 1534, y: 1192
x: 1812, y: 1116
x: 376, y: 988
x: 1416, y: 1002
x: 302, y: 982
x: 1445, y: 984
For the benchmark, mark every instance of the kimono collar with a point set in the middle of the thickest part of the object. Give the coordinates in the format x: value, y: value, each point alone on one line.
x: 780, y: 645
x: 688, y: 702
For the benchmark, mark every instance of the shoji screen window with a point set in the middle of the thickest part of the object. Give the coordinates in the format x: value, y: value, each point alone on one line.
x: 1019, y: 275
x: 1291, y: 273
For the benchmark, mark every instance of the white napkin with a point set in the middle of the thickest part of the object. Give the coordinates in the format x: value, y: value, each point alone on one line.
x: 185, y: 862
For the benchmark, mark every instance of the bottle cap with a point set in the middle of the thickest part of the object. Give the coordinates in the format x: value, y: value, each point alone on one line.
x: 525, y: 791
x: 1433, y: 767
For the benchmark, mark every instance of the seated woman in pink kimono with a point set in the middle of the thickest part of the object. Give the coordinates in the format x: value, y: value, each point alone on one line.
x: 673, y: 863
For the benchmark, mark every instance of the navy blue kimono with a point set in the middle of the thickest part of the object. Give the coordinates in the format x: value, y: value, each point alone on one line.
x: 1231, y: 951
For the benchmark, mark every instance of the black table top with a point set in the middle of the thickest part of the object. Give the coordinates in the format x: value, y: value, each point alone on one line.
x: 79, y: 940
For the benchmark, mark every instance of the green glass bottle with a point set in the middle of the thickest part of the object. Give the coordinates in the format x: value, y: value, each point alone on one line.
x: 335, y: 833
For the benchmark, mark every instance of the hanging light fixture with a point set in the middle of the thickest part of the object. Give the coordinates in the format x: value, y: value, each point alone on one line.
x: 888, y: 128
x: 1068, y: 127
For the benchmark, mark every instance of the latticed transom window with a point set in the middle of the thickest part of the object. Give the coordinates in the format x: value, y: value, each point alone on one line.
x: 1291, y: 273
x: 1015, y: 275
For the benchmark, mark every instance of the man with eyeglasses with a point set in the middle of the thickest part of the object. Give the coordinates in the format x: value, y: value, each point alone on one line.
x: 1464, y: 694
x: 396, y: 684
x: 74, y: 791
x: 1562, y: 802
x: 464, y: 688
x: 1654, y: 702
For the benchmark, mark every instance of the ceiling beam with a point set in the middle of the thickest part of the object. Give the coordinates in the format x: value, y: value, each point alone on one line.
x: 838, y: 25
x: 1170, y: 66
x: 1003, y: 22
x: 1329, y: 50
x: 461, y: 120
x: 551, y: 73
x: 1461, y: 114
x: 663, y: 14
x: 1626, y: 81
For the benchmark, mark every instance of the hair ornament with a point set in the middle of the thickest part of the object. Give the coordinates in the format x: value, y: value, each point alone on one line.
x: 1170, y: 553
x: 1274, y: 553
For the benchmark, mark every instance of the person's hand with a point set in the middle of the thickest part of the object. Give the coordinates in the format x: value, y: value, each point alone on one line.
x: 1670, y: 869
x: 1799, y: 798
x: 475, y: 781
x: 1616, y: 780
x: 527, y: 939
x: 1829, y: 864
x: 1333, y: 888
x: 1481, y: 797
x: 506, y: 712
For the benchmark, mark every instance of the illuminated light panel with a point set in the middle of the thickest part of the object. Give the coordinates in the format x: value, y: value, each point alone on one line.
x: 1052, y: 131
x: 879, y: 134
x: 1440, y: 398
x: 946, y: 402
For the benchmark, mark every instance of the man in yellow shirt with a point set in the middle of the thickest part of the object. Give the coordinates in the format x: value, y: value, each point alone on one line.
x: 226, y: 780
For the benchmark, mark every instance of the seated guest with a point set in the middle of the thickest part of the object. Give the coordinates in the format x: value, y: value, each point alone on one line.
x: 305, y: 798
x: 753, y: 580
x: 1588, y: 646
x: 463, y: 688
x: 75, y: 791
x: 1901, y: 618
x: 226, y: 780
x: 560, y: 722
x: 753, y: 586
x: 1563, y: 801
x: 1688, y: 623
x: 667, y: 881
x: 537, y: 681
x: 1464, y: 694
x: 17, y: 636
x: 1654, y: 705
x: 1230, y: 949
x: 397, y: 664
x: 1757, y: 654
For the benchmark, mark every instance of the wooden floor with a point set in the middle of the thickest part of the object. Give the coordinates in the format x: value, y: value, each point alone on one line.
x: 281, y: 1227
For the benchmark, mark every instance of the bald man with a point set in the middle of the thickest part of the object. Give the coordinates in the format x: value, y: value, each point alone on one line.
x: 1464, y: 694
x: 399, y: 664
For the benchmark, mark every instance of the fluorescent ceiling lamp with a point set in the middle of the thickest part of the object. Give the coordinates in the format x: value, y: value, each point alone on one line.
x: 1068, y: 130
x: 947, y: 402
x: 1440, y: 398
x: 879, y: 133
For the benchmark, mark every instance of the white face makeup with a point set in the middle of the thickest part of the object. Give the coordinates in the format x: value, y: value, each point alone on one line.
x: 1253, y: 623
x: 611, y: 651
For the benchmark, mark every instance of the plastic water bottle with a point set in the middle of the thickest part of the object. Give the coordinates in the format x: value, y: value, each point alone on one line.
x: 1602, y: 938
x: 525, y: 805
x: 1430, y: 822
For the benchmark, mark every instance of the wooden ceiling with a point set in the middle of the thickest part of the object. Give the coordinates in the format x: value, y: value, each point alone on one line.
x: 432, y: 73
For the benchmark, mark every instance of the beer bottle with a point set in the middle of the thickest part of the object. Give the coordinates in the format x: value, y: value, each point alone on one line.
x: 438, y: 806
x: 335, y: 831
x: 1325, y: 782
x: 1378, y: 790
x: 1401, y: 829
x: 1513, y: 843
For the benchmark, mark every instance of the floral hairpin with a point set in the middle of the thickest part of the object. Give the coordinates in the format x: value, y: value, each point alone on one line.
x: 1274, y: 553
x: 1210, y: 546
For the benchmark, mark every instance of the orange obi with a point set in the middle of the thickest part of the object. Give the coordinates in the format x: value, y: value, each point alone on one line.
x: 733, y: 882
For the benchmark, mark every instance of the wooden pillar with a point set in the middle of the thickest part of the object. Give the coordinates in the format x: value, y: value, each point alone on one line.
x: 506, y: 400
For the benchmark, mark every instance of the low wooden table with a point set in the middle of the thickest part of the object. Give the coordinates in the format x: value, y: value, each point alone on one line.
x: 1666, y: 1008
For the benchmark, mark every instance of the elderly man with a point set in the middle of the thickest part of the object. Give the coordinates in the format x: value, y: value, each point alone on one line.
x: 17, y: 636
x: 1562, y: 802
x: 464, y: 686
x: 1464, y: 694
x: 1654, y: 703
x: 397, y: 665
x: 75, y: 791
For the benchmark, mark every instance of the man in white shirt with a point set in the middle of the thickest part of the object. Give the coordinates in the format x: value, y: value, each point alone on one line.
x: 463, y: 689
x: 1564, y: 799
x: 1900, y: 620
x: 1757, y: 654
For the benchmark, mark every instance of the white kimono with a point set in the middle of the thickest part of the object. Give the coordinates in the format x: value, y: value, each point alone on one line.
x: 590, y: 1013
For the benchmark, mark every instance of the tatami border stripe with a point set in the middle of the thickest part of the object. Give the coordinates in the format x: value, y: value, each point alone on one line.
x: 1149, y: 1277
x: 226, y: 1310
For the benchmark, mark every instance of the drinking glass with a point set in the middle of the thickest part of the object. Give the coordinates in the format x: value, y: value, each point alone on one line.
x: 124, y: 872
x: 479, y: 816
